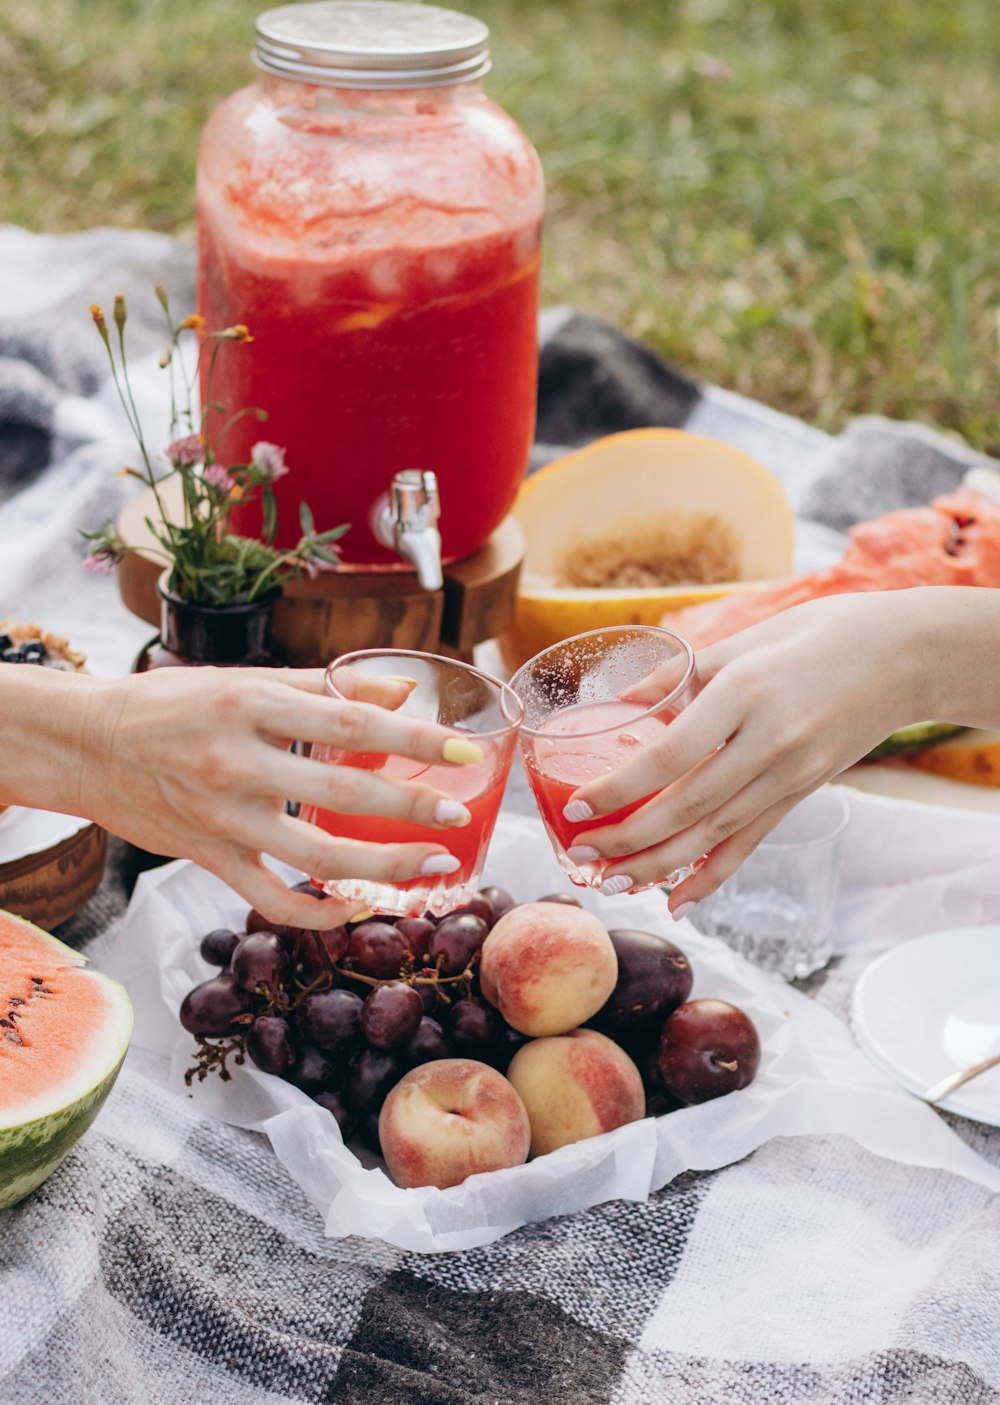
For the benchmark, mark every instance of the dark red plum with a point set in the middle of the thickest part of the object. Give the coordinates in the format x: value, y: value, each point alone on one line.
x: 654, y: 977
x: 708, y: 1048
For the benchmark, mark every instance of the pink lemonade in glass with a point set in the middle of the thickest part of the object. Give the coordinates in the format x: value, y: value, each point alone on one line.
x: 481, y: 710
x: 579, y: 727
x: 480, y: 789
x: 557, y: 768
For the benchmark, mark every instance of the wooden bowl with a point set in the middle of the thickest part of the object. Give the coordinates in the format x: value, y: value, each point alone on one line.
x: 50, y: 887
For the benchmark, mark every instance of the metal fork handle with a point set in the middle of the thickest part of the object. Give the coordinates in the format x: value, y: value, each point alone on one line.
x: 937, y: 1091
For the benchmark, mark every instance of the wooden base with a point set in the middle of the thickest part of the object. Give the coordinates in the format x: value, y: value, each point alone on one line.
x: 314, y: 621
x: 51, y: 886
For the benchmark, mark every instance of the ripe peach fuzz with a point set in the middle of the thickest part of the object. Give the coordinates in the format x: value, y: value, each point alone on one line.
x: 574, y: 1086
x: 548, y: 967
x: 448, y: 1119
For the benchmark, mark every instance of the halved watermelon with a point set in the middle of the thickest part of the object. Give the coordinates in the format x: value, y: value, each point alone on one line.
x: 64, y: 1032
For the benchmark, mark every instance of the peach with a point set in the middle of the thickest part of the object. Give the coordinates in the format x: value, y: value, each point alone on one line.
x: 548, y: 967
x: 574, y: 1086
x: 448, y: 1119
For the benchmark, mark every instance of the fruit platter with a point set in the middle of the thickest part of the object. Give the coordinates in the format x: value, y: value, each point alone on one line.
x: 409, y: 1075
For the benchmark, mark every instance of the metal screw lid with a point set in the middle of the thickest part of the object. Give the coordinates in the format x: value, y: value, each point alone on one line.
x: 372, y: 44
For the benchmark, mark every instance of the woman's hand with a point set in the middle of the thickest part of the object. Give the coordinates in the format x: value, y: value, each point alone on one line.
x: 194, y: 762
x: 784, y: 706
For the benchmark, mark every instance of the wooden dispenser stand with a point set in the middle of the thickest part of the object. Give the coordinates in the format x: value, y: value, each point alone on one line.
x: 315, y: 620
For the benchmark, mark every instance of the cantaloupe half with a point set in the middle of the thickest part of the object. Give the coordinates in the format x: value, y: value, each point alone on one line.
x: 633, y: 486
x: 64, y: 1032
x: 973, y: 756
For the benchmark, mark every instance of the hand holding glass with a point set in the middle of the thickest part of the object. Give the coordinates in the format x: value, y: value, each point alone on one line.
x: 579, y: 724
x: 485, y: 715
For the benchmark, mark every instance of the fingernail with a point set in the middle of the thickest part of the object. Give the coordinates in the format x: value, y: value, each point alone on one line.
x: 411, y: 683
x: 450, y: 812
x: 577, y: 810
x: 439, y: 863
x: 362, y: 916
x: 621, y: 882
x: 682, y: 911
x: 582, y: 853
x: 461, y: 752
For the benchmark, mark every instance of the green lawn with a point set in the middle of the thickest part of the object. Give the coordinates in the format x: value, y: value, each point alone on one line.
x: 795, y: 198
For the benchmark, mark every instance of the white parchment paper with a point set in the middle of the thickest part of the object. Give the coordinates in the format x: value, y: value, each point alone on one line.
x: 906, y: 865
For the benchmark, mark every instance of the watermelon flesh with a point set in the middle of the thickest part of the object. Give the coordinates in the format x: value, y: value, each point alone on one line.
x: 64, y: 1033
x: 954, y: 541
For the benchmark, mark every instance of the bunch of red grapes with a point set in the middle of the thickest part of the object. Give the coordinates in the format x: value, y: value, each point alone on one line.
x: 344, y: 1014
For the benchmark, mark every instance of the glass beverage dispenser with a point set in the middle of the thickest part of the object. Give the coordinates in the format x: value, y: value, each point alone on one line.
x: 375, y: 220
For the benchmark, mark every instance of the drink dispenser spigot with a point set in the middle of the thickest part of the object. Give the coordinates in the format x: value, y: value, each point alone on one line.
x: 405, y: 520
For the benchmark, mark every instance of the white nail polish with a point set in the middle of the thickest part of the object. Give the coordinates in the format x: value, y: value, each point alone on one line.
x: 582, y: 853
x: 577, y: 811
x: 451, y: 812
x: 682, y: 911
x: 439, y: 863
x: 620, y: 883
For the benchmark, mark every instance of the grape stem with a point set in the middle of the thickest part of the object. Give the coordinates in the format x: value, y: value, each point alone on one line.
x: 213, y: 1055
x: 321, y: 982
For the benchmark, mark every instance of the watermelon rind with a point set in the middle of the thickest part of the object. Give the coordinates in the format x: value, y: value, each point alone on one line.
x: 916, y: 737
x: 36, y: 1136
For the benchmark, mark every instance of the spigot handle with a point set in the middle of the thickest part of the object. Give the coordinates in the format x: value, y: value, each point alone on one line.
x: 405, y: 519
x: 414, y: 498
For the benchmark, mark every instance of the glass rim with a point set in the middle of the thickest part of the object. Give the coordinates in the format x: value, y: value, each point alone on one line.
x: 651, y: 711
x: 505, y: 691
x: 829, y: 836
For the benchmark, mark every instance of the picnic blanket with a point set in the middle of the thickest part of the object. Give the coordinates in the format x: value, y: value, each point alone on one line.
x: 171, y: 1258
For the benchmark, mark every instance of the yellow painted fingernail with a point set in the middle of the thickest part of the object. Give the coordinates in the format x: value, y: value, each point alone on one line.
x: 461, y: 752
x: 362, y: 916
x: 411, y: 683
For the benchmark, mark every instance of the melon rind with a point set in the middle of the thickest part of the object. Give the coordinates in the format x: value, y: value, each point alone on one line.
x: 36, y: 1136
x: 622, y: 481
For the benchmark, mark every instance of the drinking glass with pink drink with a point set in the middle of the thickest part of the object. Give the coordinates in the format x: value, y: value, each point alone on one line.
x: 482, y: 711
x: 579, y: 724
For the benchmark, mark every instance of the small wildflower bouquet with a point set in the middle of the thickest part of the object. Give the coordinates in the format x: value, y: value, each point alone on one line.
x: 209, y: 564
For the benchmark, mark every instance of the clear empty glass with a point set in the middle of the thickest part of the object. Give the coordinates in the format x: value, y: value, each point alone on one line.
x: 778, y: 908
x: 579, y: 723
x: 480, y: 709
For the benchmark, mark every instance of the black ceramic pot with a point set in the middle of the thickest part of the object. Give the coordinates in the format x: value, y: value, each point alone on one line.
x: 227, y: 636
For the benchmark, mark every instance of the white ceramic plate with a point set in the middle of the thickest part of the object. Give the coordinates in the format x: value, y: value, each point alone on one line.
x: 24, y: 831
x: 907, y: 783
x: 930, y: 1007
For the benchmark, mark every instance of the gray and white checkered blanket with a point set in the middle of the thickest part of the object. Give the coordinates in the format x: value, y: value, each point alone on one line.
x: 172, y: 1260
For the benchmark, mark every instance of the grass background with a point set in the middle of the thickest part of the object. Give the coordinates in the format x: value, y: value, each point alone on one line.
x: 795, y: 198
